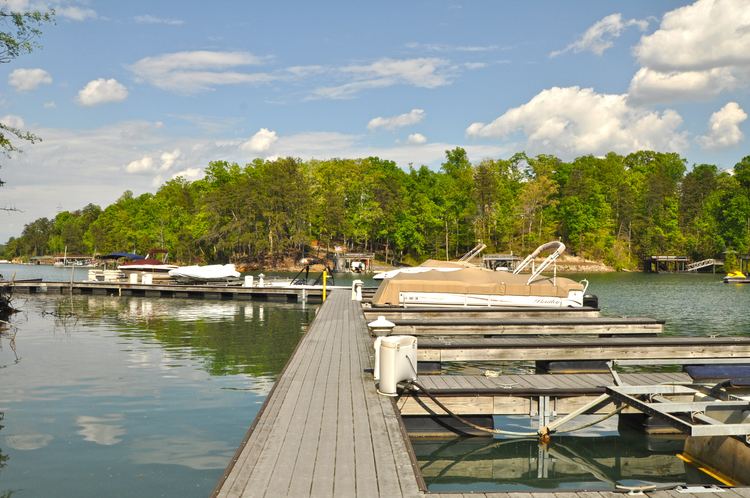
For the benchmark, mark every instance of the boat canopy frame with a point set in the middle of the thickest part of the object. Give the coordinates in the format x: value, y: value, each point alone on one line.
x: 558, y: 247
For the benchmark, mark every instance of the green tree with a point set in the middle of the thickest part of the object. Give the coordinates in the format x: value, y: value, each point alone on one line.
x: 459, y: 209
x: 20, y: 31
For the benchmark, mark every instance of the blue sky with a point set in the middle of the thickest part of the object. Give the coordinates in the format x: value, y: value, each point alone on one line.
x: 126, y: 95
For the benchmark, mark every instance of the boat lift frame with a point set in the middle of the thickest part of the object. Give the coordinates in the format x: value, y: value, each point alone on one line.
x: 689, y: 417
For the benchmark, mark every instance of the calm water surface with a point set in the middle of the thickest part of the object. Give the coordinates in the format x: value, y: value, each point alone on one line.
x: 131, y: 396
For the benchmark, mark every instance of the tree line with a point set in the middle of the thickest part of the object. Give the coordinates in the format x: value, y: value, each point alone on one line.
x: 616, y: 209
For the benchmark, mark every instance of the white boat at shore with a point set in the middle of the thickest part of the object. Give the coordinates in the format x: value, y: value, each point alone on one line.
x: 205, y: 273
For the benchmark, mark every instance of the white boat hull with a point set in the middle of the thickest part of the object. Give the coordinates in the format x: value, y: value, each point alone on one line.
x: 448, y: 300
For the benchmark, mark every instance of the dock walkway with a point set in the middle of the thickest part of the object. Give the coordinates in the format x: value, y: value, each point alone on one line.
x: 324, y: 431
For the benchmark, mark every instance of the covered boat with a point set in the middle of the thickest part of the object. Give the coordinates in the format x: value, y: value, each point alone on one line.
x: 206, y: 273
x: 459, y: 284
x: 477, y: 287
x: 148, y: 264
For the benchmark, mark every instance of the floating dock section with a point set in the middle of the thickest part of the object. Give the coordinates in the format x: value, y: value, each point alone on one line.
x: 291, y: 293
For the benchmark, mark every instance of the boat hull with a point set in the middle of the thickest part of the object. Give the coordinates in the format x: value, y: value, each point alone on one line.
x: 449, y: 300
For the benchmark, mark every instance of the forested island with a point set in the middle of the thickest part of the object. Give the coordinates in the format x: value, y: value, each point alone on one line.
x: 615, y: 209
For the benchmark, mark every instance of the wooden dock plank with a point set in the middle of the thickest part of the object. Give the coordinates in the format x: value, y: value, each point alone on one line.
x: 304, y: 464
x: 366, y: 478
x: 577, y: 348
x: 281, y: 446
x: 345, y: 483
x: 325, y: 454
x: 262, y: 428
x: 528, y: 326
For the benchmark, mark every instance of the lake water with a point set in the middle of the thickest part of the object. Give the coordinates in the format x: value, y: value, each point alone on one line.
x: 131, y: 396
x: 104, y: 396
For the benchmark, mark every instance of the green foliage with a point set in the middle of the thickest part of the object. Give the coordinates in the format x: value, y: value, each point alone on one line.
x: 18, y: 34
x: 617, y: 209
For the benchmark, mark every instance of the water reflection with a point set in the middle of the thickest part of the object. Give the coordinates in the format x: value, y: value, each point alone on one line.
x: 595, y: 463
x: 191, y: 451
x: 27, y: 442
x: 105, y: 430
x: 151, y: 396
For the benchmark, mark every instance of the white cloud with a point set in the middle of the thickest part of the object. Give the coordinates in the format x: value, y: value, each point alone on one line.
x: 149, y: 19
x: 191, y: 72
x: 698, y: 49
x: 101, y: 91
x: 416, y: 139
x: 15, y: 5
x: 12, y: 121
x: 703, y: 35
x: 24, y: 80
x: 62, y: 9
x: 142, y: 165
x: 75, y: 13
x: 190, y: 174
x: 50, y: 104
x: 599, y: 37
x: 723, y: 127
x: 168, y: 159
x: 428, y: 72
x: 649, y: 85
x: 391, y: 123
x: 573, y: 121
x: 261, y: 141
x: 441, y: 47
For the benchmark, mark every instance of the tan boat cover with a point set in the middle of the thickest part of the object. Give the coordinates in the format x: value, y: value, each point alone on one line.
x: 470, y: 281
x: 437, y: 263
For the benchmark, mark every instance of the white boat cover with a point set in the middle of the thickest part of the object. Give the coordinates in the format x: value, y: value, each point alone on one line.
x: 471, y: 281
x: 205, y: 273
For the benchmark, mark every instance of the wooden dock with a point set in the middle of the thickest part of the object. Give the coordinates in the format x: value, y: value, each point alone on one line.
x: 291, y: 294
x: 528, y: 326
x: 552, y: 348
x: 324, y: 431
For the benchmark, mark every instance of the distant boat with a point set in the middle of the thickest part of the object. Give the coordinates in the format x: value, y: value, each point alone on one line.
x: 736, y: 277
x: 160, y: 268
x: 206, y: 273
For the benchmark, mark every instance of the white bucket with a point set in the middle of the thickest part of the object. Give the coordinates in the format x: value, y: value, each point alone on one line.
x: 133, y: 278
x: 248, y: 281
x: 395, y: 361
x: 147, y: 279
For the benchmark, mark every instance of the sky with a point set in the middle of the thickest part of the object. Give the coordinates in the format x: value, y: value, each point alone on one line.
x: 127, y: 95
